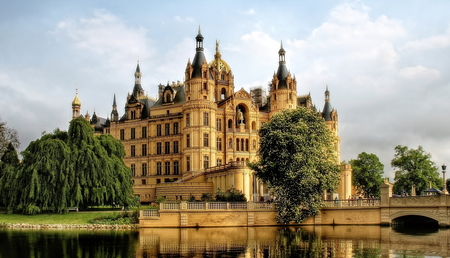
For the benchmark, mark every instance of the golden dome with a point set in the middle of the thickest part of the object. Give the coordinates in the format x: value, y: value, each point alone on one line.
x: 76, y: 101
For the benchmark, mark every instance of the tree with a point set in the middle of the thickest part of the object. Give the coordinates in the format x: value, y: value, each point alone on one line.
x: 413, y: 167
x: 8, y: 166
x: 297, y: 162
x: 67, y: 169
x: 7, y: 136
x: 367, y: 174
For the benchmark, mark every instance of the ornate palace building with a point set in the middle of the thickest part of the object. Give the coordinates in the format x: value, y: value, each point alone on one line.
x: 198, y: 135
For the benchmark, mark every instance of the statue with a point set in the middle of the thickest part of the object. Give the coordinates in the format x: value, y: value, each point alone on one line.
x: 240, y: 117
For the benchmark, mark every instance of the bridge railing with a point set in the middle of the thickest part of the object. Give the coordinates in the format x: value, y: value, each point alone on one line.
x: 353, y: 202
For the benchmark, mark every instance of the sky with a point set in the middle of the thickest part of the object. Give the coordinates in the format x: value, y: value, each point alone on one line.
x: 386, y: 63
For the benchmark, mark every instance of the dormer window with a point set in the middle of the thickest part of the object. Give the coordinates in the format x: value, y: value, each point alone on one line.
x: 168, y: 97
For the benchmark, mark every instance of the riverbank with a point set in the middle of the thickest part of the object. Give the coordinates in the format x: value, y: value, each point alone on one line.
x: 66, y: 226
x: 71, y: 220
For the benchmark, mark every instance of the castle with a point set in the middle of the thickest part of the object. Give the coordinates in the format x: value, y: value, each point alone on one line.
x: 198, y: 135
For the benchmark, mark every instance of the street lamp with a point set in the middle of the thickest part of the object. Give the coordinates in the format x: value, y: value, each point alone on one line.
x: 444, y: 167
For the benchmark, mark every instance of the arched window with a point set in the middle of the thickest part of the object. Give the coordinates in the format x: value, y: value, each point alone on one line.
x: 168, y: 97
x: 223, y: 93
x: 230, y: 123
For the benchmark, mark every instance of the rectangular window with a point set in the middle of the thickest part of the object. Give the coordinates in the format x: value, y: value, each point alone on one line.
x: 188, y: 140
x: 144, y: 181
x: 219, y: 162
x: 158, y: 130
x: 144, y: 132
x: 158, y: 148
x: 144, y: 149
x: 205, y: 118
x: 133, y: 170
x: 167, y: 148
x: 175, y: 147
x: 133, y: 150
x: 167, y: 167
x: 158, y: 168
x: 166, y: 129
x: 122, y: 134
x: 188, y: 163
x: 176, y: 168
x: 175, y: 128
x: 205, y: 162
x: 188, y: 120
x: 219, y: 143
x: 219, y: 124
x: 133, y: 133
x: 144, y: 169
x: 205, y: 140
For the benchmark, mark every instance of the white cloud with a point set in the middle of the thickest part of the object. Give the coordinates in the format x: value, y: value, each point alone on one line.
x: 185, y: 19
x: 420, y: 73
x: 107, y: 36
x: 433, y: 42
x: 248, y: 12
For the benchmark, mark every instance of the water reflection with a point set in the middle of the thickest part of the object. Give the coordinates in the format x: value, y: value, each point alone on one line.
x: 325, y: 241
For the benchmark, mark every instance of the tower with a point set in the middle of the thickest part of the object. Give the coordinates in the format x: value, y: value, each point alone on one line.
x: 330, y: 116
x: 76, y: 106
x: 223, y: 76
x: 283, y: 88
x: 114, y: 112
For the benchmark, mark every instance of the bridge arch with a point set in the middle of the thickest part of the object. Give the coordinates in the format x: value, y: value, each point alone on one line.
x: 427, y: 215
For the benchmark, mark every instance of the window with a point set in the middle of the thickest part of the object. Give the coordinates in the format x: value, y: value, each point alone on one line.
x: 133, y: 150
x: 144, y: 149
x: 158, y: 168
x: 219, y: 162
x: 144, y: 169
x: 133, y: 170
x: 122, y: 134
x: 166, y: 129
x: 230, y: 143
x: 175, y: 147
x: 167, y: 168
x: 168, y: 97
x: 158, y: 148
x: 188, y: 120
x: 158, y: 130
x: 219, y: 124
x: 205, y: 140
x: 205, y: 118
x: 175, y: 128
x: 133, y: 133
x: 144, y: 181
x: 158, y: 181
x: 205, y: 87
x: 205, y: 162
x: 219, y: 143
x: 133, y: 114
x: 167, y: 148
x: 144, y: 132
x: 188, y: 163
x: 176, y: 168
x: 188, y: 140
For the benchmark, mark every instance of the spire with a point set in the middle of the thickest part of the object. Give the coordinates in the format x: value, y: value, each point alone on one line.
x: 137, y: 90
x: 282, y: 72
x: 114, y: 113
x: 199, y: 58
x: 327, y: 109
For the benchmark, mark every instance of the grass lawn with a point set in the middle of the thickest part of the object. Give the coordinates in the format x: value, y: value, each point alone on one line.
x: 51, y: 218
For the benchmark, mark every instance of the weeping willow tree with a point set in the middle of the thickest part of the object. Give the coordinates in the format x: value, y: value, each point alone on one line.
x: 9, y: 162
x: 70, y: 169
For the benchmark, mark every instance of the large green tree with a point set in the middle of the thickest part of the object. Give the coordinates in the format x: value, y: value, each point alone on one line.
x: 7, y: 136
x: 367, y: 174
x: 66, y: 169
x: 413, y: 167
x: 9, y: 163
x: 297, y: 162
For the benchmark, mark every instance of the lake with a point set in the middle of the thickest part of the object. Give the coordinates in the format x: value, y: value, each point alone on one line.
x: 318, y: 241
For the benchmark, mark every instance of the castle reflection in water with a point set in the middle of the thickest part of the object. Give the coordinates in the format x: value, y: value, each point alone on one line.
x: 329, y: 241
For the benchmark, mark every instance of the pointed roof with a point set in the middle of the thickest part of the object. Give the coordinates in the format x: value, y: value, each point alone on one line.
x: 327, y: 109
x: 199, y: 58
x: 282, y: 72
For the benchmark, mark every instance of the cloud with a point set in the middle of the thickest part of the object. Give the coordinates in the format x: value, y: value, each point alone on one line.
x: 420, y: 73
x: 433, y: 42
x: 185, y: 19
x: 248, y: 12
x: 106, y: 36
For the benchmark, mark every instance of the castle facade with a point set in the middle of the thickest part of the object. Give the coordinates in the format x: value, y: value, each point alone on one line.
x: 199, y: 134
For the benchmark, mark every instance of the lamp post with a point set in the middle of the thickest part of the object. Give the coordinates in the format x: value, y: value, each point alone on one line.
x: 444, y: 167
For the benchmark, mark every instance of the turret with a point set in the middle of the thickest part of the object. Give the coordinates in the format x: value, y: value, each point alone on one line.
x: 76, y: 106
x: 283, y: 88
x: 114, y: 112
x: 137, y: 90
